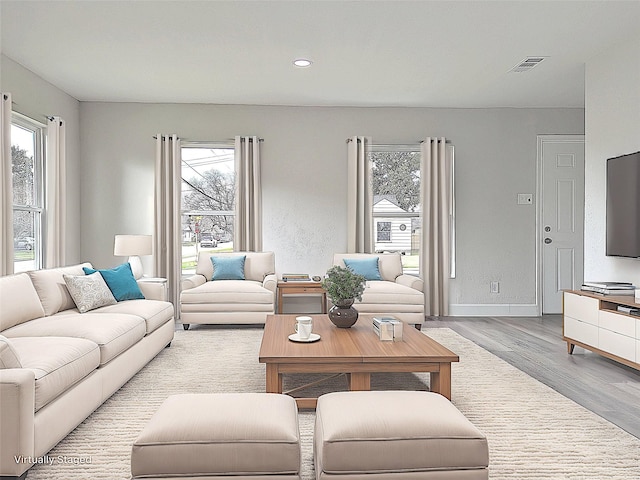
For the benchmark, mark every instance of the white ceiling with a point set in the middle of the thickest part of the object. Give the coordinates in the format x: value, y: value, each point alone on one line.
x: 365, y: 53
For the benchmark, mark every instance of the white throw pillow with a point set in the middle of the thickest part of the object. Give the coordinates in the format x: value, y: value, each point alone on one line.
x: 89, y: 291
x: 8, y: 355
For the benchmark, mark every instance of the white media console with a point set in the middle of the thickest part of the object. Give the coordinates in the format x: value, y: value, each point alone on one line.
x: 592, y: 321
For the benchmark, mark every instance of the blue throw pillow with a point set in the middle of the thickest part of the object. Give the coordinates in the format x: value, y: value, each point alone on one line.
x: 120, y: 281
x: 228, y: 267
x: 367, y: 267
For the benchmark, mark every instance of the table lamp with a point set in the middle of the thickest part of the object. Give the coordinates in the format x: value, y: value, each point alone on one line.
x: 133, y: 246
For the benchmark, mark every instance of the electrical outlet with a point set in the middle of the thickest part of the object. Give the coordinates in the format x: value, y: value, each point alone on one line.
x: 494, y: 287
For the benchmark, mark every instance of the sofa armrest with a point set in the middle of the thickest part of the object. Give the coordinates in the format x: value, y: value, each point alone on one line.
x: 411, y: 281
x: 193, y: 281
x: 270, y: 282
x: 17, y: 405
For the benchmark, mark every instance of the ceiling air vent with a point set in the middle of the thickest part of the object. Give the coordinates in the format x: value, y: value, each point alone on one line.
x: 527, y: 64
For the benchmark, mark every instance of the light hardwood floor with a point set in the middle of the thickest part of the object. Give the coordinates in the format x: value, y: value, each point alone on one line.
x: 534, y: 345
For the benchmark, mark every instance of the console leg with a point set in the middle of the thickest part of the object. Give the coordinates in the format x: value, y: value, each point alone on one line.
x: 570, y: 347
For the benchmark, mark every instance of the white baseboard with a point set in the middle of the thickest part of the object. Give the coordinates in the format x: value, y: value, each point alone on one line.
x: 494, y: 310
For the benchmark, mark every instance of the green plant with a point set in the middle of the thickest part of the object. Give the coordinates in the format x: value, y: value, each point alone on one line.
x: 343, y: 284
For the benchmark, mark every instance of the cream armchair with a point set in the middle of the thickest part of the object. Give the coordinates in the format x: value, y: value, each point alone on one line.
x: 394, y: 294
x: 248, y: 301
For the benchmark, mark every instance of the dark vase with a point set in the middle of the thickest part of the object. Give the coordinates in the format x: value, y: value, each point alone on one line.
x: 342, y: 314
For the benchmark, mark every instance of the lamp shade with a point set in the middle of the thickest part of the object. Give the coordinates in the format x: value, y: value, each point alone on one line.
x: 128, y: 245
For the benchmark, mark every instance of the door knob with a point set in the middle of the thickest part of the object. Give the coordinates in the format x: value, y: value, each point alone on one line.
x: 547, y: 240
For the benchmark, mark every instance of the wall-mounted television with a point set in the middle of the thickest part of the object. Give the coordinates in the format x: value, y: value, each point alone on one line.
x: 623, y: 206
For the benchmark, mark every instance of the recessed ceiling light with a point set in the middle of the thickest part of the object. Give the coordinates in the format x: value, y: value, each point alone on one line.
x: 302, y: 62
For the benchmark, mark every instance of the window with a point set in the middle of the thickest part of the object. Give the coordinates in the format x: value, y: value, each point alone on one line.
x: 383, y: 231
x: 28, y: 205
x: 395, y: 176
x: 208, y: 201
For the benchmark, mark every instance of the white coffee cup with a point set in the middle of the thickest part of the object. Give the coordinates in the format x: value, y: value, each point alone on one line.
x: 304, y: 325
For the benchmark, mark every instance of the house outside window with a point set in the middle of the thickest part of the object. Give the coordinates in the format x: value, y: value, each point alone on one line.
x: 208, y: 200
x: 27, y: 166
x: 383, y: 232
x: 395, y: 177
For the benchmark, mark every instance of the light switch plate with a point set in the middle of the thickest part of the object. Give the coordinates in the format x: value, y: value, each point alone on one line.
x: 525, y: 198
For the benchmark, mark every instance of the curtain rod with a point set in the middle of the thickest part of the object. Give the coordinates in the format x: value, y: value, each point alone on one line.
x: 399, y: 144
x: 52, y: 118
x: 155, y: 137
x: 13, y: 103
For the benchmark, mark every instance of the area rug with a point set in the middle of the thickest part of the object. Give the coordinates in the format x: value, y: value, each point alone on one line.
x: 533, y: 431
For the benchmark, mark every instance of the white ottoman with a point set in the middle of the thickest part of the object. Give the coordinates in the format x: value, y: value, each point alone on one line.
x: 396, y: 435
x: 220, y: 436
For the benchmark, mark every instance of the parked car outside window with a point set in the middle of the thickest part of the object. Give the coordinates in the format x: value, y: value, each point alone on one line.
x: 207, y: 240
x: 25, y: 243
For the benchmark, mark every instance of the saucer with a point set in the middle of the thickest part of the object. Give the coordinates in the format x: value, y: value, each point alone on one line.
x: 313, y: 338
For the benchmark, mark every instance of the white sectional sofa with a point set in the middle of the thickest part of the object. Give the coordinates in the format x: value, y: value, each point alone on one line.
x: 58, y: 365
x: 246, y: 300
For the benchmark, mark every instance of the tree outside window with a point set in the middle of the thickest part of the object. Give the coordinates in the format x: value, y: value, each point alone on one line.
x: 208, y: 201
x: 27, y: 177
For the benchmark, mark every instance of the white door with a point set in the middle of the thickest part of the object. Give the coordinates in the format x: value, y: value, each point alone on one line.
x: 561, y: 161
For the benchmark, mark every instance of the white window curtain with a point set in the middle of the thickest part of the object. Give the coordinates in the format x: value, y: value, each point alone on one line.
x: 56, y: 193
x: 436, y: 217
x: 168, y: 228
x: 6, y: 192
x: 248, y: 219
x: 359, y: 197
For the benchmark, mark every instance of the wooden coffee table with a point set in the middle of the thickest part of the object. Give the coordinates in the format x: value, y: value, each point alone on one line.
x: 356, y: 351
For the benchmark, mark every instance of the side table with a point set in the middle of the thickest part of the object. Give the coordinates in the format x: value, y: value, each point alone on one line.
x: 157, y: 280
x: 301, y: 288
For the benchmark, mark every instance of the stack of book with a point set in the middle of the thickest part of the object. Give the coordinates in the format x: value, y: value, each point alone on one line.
x: 630, y: 310
x: 296, y: 277
x: 609, y: 288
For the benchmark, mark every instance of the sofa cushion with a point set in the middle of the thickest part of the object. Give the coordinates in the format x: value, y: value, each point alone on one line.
x: 88, y: 291
x: 228, y: 267
x: 114, y: 333
x: 121, y: 282
x: 154, y: 312
x: 19, y: 301
x: 396, y: 432
x: 51, y: 288
x: 367, y: 267
x: 389, y: 264
x: 58, y: 363
x: 382, y: 292
x: 257, y: 265
x: 8, y: 356
x: 229, y: 295
x: 223, y: 435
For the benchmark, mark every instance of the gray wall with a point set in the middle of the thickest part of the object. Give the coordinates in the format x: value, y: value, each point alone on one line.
x: 111, y: 159
x: 304, y: 179
x: 34, y: 97
x: 612, y: 128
